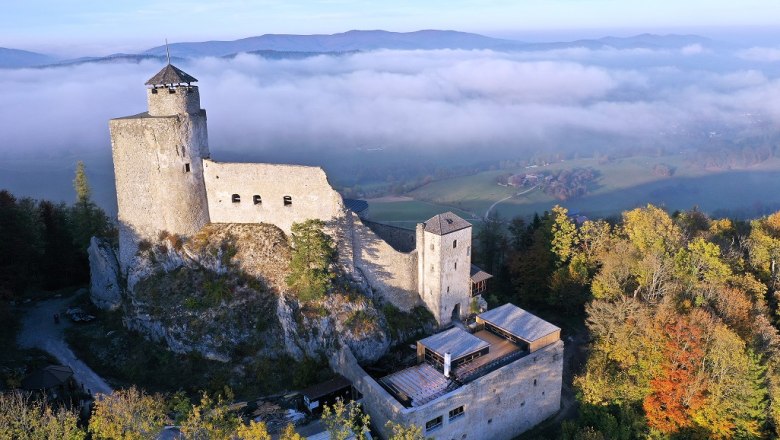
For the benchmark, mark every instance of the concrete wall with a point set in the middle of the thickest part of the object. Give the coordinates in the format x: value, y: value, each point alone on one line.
x: 155, y: 192
x: 443, y: 272
x: 500, y: 405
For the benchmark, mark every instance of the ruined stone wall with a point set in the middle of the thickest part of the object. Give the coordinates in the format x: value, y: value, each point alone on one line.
x: 445, y: 273
x: 158, y: 172
x: 311, y: 196
x: 393, y: 274
x: 500, y: 405
x: 389, y: 272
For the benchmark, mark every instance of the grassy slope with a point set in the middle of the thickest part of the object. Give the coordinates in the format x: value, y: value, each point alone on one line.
x: 623, y: 184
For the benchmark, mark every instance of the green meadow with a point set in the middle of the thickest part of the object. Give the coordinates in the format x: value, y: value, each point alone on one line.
x: 622, y: 184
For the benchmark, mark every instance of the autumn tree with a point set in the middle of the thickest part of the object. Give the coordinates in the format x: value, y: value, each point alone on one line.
x: 24, y: 418
x: 312, y: 256
x: 212, y: 420
x: 128, y: 414
x: 288, y: 433
x: 402, y: 432
x: 677, y: 392
x: 254, y: 431
x: 344, y: 420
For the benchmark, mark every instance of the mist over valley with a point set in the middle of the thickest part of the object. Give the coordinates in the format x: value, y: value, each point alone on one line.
x: 385, y: 113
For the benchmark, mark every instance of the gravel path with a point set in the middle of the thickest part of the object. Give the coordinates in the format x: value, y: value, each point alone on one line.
x: 40, y: 331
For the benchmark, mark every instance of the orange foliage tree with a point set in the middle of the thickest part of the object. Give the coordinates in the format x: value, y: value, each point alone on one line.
x: 678, y: 391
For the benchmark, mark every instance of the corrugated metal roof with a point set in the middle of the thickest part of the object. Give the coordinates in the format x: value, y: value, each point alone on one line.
x: 418, y: 385
x: 519, y: 322
x: 445, y: 223
x: 170, y: 74
x: 478, y: 274
x: 456, y: 341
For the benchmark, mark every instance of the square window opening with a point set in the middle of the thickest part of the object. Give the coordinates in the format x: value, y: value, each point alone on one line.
x: 287, y: 201
x: 235, y: 198
x: 455, y: 413
x: 434, y: 424
x: 257, y: 200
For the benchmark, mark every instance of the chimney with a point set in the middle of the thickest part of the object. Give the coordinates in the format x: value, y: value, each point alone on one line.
x: 447, y: 363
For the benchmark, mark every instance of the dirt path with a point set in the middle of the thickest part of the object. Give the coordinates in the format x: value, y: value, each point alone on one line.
x: 40, y: 331
x: 487, y: 213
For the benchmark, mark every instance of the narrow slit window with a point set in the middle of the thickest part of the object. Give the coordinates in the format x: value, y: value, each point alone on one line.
x: 456, y: 265
x: 235, y: 198
x: 287, y: 200
x: 186, y: 168
x: 257, y: 200
x: 468, y: 251
x: 454, y: 244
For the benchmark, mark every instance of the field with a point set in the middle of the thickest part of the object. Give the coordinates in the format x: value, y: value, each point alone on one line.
x: 622, y: 184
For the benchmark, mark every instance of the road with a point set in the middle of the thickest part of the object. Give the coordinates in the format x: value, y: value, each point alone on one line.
x: 39, y: 331
x: 487, y: 213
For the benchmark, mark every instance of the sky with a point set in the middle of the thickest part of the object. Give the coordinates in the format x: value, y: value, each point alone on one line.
x: 100, y: 27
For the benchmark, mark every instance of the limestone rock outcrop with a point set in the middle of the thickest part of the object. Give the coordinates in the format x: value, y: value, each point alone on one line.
x: 105, y: 289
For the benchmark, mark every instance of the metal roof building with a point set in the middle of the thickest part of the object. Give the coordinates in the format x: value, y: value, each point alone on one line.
x: 512, y: 321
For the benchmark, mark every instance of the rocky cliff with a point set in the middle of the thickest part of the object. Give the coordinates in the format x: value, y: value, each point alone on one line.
x: 223, y: 294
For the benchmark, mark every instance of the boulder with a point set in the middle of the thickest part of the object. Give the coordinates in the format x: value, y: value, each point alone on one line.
x: 105, y: 290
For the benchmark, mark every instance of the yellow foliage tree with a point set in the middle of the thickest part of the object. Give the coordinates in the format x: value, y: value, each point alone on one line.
x: 253, y: 431
x: 129, y: 414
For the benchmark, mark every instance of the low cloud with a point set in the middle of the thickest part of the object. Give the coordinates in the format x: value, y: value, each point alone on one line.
x: 444, y: 100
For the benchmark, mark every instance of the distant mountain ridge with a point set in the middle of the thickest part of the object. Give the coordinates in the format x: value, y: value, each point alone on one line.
x: 288, y: 46
x: 11, y: 58
x: 342, y: 42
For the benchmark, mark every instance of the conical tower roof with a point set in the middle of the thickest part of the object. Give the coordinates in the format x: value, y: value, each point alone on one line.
x: 171, y: 74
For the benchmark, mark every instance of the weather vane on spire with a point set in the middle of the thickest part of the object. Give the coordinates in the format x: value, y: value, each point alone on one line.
x: 167, y: 52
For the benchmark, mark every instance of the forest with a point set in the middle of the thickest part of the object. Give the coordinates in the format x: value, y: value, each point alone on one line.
x: 680, y: 311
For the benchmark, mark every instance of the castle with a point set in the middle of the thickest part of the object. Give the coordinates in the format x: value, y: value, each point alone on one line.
x: 510, y: 359
x: 166, y: 181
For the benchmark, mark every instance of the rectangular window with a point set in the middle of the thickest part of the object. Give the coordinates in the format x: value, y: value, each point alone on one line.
x: 186, y: 168
x: 455, y: 413
x: 468, y: 251
x: 287, y: 200
x: 454, y: 244
x: 434, y: 424
x: 456, y: 265
x: 235, y: 198
x: 257, y: 200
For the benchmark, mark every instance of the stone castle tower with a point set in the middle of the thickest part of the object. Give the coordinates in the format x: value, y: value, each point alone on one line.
x: 158, y: 163
x: 444, y: 266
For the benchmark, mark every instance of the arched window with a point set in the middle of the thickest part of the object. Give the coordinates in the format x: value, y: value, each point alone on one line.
x: 287, y: 200
x: 235, y: 198
x: 257, y: 200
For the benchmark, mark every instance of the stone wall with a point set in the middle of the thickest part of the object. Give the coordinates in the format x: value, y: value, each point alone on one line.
x: 161, y: 102
x: 444, y: 272
x: 310, y: 194
x: 400, y: 239
x: 500, y: 405
x: 157, y: 167
x: 391, y: 273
